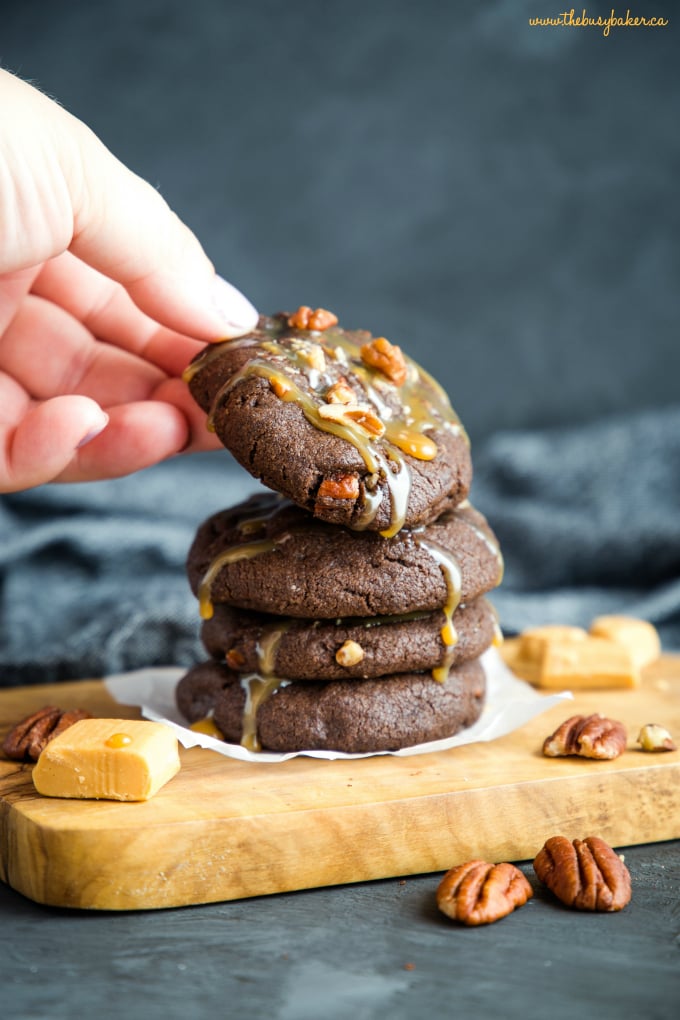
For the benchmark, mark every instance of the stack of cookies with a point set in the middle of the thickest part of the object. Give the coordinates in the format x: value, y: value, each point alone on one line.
x: 345, y: 612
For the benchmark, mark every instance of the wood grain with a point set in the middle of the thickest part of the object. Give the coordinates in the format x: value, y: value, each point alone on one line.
x: 224, y: 829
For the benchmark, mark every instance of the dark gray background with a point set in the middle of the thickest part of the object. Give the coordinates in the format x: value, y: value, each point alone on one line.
x: 500, y: 199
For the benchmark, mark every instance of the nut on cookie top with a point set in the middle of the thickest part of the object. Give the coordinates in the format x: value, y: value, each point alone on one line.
x: 353, y: 387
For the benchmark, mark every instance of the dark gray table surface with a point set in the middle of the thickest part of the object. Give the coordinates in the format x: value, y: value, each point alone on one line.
x: 372, y: 950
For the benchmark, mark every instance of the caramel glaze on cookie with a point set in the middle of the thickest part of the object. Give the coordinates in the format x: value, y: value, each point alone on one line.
x: 339, y: 422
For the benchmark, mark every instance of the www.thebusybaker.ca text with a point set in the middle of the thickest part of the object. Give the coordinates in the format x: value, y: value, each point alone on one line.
x: 569, y: 19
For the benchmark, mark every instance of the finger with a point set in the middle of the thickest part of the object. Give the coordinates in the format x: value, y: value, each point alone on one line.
x: 137, y: 436
x: 13, y: 289
x: 77, y: 195
x: 38, y: 448
x: 200, y: 438
x: 125, y: 229
x: 110, y: 314
x: 50, y: 353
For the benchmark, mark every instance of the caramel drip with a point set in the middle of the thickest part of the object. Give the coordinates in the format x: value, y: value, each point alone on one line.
x: 258, y: 689
x: 267, y: 646
x: 452, y: 577
x: 399, y: 485
x: 239, y: 552
x: 291, y: 392
x: 261, y: 685
x: 207, y: 726
x: 211, y: 353
x: 117, y: 740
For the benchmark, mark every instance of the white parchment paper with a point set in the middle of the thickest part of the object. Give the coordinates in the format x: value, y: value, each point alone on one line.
x: 510, y: 703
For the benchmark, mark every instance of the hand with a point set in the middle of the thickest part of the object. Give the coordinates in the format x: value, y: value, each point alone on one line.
x: 105, y: 296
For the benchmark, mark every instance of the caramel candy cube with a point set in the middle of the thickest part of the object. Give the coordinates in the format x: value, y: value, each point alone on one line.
x: 639, y: 637
x: 534, y: 641
x: 111, y: 759
x: 524, y: 654
x: 590, y: 662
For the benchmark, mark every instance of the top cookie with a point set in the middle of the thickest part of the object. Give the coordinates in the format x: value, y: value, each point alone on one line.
x: 341, y: 423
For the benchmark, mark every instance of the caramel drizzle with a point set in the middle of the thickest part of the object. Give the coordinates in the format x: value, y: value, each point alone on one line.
x: 421, y: 410
x: 261, y: 685
x: 246, y: 524
x: 210, y: 353
x: 404, y: 433
x: 257, y: 689
x: 452, y: 578
x: 240, y: 552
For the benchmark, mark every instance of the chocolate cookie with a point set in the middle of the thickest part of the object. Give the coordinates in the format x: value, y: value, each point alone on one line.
x: 354, y: 716
x: 270, y: 556
x: 339, y: 422
x: 196, y: 693
x: 341, y: 649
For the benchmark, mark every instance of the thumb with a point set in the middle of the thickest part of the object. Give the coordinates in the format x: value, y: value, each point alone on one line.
x: 117, y: 223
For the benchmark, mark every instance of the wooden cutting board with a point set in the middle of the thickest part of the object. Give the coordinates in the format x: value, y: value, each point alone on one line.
x: 224, y: 829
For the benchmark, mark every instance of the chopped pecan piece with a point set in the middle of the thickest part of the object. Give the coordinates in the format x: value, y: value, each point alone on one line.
x: 344, y: 487
x: 589, y: 736
x: 585, y: 874
x: 349, y: 654
x: 312, y: 318
x: 234, y: 659
x: 314, y: 356
x: 30, y: 736
x: 340, y: 393
x: 387, y: 358
x: 280, y: 386
x: 653, y: 737
x: 353, y: 414
x: 480, y: 893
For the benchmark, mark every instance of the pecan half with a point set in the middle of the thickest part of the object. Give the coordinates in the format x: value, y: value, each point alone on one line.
x: 29, y: 737
x: 585, y: 874
x: 312, y: 318
x: 589, y: 736
x: 387, y: 358
x: 480, y: 893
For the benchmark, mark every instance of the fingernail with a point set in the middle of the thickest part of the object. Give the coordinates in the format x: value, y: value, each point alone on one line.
x: 94, y: 431
x: 235, y: 310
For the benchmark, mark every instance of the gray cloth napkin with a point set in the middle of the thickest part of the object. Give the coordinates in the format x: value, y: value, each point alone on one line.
x: 92, y: 576
x: 588, y: 519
